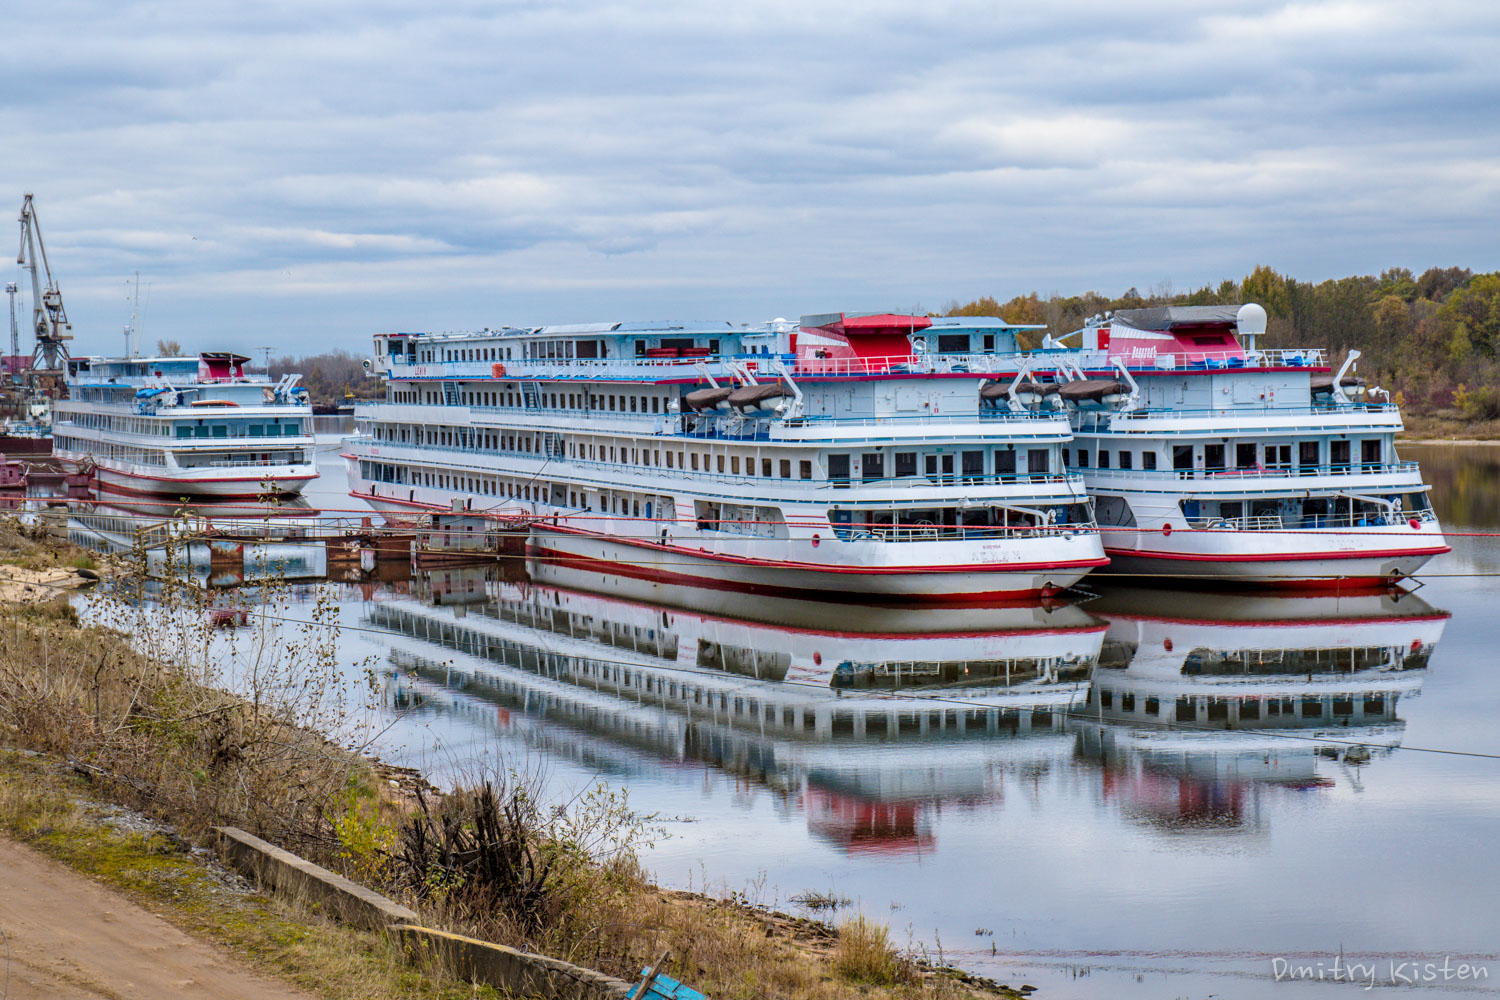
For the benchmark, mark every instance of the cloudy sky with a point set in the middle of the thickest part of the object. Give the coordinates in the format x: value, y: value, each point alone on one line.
x: 300, y: 174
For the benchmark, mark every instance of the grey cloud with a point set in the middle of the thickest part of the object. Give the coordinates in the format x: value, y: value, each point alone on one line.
x: 300, y: 171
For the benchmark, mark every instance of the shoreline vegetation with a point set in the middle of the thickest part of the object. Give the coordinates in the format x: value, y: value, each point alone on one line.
x: 252, y: 727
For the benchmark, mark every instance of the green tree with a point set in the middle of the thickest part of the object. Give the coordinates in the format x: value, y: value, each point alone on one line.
x: 1265, y: 286
x: 1472, y: 316
x: 1397, y: 281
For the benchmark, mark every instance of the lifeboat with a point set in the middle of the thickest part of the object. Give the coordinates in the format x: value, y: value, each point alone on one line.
x: 1102, y: 391
x: 1322, y: 385
x: 213, y: 402
x: 762, y: 398
x: 708, y: 399
x: 1028, y: 393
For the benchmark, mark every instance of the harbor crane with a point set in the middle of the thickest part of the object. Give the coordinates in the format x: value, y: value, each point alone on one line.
x: 48, y: 317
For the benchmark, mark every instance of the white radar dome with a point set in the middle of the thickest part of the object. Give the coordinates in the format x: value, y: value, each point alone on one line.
x: 1251, y: 319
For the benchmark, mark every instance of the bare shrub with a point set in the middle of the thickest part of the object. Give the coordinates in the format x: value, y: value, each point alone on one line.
x: 865, y: 955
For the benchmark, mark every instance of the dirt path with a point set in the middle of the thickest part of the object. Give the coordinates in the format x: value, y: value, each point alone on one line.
x: 72, y: 938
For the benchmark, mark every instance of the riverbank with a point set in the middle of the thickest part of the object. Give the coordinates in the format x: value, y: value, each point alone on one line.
x: 104, y: 726
x: 1434, y: 429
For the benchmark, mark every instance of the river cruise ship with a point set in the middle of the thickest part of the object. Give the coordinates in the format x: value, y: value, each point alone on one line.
x: 1207, y: 457
x: 844, y: 454
x: 185, y: 427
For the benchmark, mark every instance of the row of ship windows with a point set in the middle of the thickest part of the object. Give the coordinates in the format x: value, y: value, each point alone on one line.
x: 111, y: 449
x: 184, y: 428
x: 1189, y: 709
x: 1247, y: 455
x: 540, y: 349
x: 607, y: 401
x: 119, y: 424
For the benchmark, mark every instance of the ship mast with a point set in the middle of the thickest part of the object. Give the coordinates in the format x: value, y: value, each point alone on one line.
x: 48, y: 317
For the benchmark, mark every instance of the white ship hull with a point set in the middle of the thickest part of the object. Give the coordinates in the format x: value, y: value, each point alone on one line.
x: 1031, y: 568
x: 676, y: 564
x: 246, y: 485
x: 1356, y: 557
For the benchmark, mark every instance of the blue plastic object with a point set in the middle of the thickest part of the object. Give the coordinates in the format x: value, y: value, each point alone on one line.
x: 664, y: 987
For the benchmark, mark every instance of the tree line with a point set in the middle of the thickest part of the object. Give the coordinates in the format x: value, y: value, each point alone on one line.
x: 1434, y: 338
x: 332, y: 377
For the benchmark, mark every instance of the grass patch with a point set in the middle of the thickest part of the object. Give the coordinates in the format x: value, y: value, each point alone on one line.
x: 51, y: 812
x: 864, y: 954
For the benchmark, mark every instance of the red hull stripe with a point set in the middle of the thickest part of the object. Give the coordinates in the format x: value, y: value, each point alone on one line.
x: 1308, y: 622
x: 190, y: 482
x: 116, y: 488
x: 1022, y: 597
x: 1277, y: 556
x: 1032, y: 567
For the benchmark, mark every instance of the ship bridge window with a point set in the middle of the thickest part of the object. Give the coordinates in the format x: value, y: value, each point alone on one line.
x: 953, y: 343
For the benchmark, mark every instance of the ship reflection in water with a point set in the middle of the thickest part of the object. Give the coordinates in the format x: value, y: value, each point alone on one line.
x: 867, y: 720
x: 860, y: 718
x: 1193, y: 716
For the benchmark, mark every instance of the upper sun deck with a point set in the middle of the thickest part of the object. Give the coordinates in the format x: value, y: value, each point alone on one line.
x: 837, y: 345
x: 158, y: 385
x: 208, y: 368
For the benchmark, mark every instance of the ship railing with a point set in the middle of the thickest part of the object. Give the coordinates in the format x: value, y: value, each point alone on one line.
x: 764, y: 366
x: 288, y: 458
x: 714, y: 425
x: 1259, y: 472
x: 1301, y: 522
x: 957, y: 532
x: 1103, y: 420
x: 1179, y: 359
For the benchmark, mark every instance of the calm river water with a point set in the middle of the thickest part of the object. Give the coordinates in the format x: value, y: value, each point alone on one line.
x: 1152, y: 793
